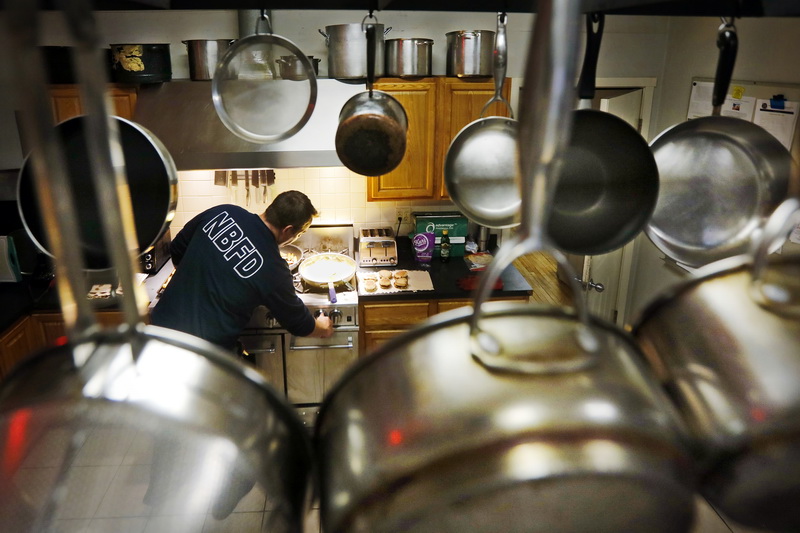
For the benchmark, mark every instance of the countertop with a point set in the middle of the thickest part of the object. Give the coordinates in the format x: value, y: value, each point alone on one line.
x: 444, y: 277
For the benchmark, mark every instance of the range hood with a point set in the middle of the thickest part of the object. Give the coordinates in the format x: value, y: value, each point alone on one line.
x: 182, y: 115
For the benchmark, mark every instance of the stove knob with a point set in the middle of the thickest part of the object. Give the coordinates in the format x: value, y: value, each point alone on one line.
x: 318, y: 313
x: 335, y: 316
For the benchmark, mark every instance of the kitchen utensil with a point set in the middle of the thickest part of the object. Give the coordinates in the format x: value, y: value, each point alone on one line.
x: 481, y: 164
x: 371, y: 137
x: 327, y: 270
x: 292, y: 69
x: 292, y: 254
x: 551, y: 436
x: 204, y: 54
x: 408, y: 58
x: 608, y: 187
x: 249, y: 96
x: 207, y: 428
x: 347, y: 50
x: 151, y: 176
x: 725, y: 344
x: 720, y: 177
x: 141, y: 63
x: 469, y: 53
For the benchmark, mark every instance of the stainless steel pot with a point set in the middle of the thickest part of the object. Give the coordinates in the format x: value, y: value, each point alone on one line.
x: 408, y: 58
x: 371, y: 136
x: 204, y: 55
x: 291, y: 68
x: 726, y: 346
x: 469, y: 53
x: 347, y: 50
x: 421, y: 436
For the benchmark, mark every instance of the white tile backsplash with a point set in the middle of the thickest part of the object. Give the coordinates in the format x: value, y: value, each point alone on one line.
x: 338, y: 194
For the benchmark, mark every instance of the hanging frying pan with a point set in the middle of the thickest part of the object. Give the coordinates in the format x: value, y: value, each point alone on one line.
x: 481, y: 164
x: 152, y: 178
x: 721, y: 177
x: 608, y: 186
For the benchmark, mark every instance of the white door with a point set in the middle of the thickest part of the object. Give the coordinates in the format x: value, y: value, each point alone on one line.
x: 604, y: 277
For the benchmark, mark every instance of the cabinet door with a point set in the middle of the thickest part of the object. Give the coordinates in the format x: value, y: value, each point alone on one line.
x: 17, y: 343
x: 373, y: 339
x: 460, y: 102
x: 414, y: 177
x: 66, y: 101
x: 50, y: 327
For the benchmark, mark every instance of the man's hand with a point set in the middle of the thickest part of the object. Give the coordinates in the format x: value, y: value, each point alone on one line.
x: 323, y: 327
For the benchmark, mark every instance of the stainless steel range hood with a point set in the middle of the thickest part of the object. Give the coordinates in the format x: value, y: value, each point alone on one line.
x: 182, y: 115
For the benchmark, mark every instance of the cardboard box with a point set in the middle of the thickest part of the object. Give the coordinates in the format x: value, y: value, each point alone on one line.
x: 435, y: 221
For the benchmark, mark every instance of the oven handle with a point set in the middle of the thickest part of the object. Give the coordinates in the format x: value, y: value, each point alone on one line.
x: 348, y: 346
x: 273, y: 349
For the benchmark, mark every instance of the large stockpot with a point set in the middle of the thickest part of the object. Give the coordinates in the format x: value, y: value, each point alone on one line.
x: 726, y: 345
x: 469, y: 53
x: 408, y: 58
x: 199, y: 429
x: 422, y: 436
x: 347, y: 50
x: 204, y: 54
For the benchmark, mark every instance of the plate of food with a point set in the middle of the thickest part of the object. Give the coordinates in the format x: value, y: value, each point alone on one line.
x: 292, y: 255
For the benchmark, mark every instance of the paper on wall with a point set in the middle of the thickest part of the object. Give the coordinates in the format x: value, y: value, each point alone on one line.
x: 780, y: 122
x: 736, y: 103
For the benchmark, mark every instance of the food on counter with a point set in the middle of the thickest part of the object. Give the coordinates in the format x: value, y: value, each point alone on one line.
x: 401, y: 283
x: 370, y: 285
x: 400, y: 274
x: 370, y: 275
x: 100, y: 291
x: 385, y: 274
x: 385, y: 283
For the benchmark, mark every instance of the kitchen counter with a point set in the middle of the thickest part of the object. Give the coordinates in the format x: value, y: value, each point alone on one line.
x: 444, y: 277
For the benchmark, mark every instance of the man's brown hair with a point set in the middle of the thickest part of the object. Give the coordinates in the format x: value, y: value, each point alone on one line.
x: 290, y: 208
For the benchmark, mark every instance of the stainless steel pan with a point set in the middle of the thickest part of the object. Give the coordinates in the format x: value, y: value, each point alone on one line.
x: 480, y: 169
x: 608, y: 187
x: 721, y: 177
x: 327, y: 271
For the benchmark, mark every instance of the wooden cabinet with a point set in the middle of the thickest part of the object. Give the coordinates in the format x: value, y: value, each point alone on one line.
x: 17, y: 343
x: 66, y: 101
x: 437, y: 108
x: 381, y: 321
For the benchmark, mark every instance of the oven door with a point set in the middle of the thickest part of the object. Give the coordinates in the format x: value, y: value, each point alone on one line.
x: 314, y: 365
x: 267, y: 348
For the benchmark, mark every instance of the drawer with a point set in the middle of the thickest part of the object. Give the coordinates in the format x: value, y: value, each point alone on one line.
x: 386, y: 316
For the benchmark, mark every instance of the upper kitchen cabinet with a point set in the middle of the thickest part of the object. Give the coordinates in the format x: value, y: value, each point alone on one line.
x: 66, y: 101
x: 437, y: 108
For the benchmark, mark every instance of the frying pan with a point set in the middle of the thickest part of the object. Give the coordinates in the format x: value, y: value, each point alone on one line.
x: 326, y: 270
x: 371, y: 136
x: 152, y: 178
x: 292, y: 249
x: 608, y: 186
x: 480, y: 166
x: 721, y: 177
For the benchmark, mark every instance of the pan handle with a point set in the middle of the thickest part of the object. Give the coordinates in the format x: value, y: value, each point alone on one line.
x: 594, y: 36
x: 499, y: 65
x: 770, y: 295
x: 728, y: 44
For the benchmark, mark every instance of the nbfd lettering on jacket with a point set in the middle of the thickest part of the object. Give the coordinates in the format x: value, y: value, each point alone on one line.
x: 229, y: 239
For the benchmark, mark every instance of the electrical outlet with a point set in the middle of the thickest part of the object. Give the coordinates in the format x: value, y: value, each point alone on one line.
x: 404, y: 213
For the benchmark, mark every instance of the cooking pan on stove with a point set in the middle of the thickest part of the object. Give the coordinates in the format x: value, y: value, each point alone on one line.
x: 327, y: 271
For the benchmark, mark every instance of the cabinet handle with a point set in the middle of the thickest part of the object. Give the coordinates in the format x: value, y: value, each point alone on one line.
x: 348, y: 346
x: 273, y: 349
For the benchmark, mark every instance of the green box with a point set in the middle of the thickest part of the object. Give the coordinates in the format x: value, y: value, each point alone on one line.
x: 435, y: 221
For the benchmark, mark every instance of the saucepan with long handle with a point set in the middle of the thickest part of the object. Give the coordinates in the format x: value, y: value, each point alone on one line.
x: 202, y: 429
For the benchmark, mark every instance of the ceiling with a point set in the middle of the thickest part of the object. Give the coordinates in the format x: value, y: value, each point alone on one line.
x: 741, y: 8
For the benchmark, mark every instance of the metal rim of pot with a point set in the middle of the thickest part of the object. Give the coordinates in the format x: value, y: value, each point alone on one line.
x: 346, y: 56
x: 152, y: 179
x: 416, y: 415
x: 480, y: 169
x: 608, y: 187
x: 720, y: 176
x: 291, y: 248
x: 233, y: 94
x: 102, y: 361
x: 371, y: 135
x: 724, y: 344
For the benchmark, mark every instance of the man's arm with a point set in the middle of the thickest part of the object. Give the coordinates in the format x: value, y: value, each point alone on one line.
x: 323, y: 327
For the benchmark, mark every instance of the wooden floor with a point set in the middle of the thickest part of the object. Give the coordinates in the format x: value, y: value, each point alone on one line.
x: 539, y: 270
